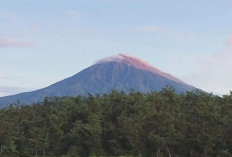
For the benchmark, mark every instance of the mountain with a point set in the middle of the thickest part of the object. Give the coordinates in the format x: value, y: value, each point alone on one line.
x: 120, y: 72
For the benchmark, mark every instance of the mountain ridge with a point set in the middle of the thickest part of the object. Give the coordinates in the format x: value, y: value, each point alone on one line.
x: 120, y: 72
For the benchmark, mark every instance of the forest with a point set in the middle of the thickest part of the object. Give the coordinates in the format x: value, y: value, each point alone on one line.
x: 134, y: 124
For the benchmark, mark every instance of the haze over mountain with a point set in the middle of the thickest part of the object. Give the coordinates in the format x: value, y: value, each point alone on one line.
x: 120, y: 72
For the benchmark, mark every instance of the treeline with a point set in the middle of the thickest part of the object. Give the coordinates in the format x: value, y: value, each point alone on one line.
x: 156, y: 124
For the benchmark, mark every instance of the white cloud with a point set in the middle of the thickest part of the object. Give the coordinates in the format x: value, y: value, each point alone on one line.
x: 3, y: 75
x: 158, y: 29
x: 74, y: 13
x: 214, y: 74
x: 229, y: 41
x: 152, y: 29
x: 36, y: 27
x: 5, y: 90
x: 10, y: 17
x: 87, y: 30
x: 10, y: 42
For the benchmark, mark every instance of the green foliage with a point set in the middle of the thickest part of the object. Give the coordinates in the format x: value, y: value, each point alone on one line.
x: 160, y: 124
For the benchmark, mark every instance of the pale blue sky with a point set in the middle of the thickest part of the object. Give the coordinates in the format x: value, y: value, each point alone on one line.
x: 45, y: 41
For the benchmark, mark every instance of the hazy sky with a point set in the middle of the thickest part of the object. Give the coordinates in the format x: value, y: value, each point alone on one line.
x: 45, y: 41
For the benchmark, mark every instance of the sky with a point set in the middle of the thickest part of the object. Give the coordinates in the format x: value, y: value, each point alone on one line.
x: 45, y: 41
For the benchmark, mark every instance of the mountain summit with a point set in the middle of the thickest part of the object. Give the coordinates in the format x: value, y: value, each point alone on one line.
x: 120, y: 72
x: 138, y: 63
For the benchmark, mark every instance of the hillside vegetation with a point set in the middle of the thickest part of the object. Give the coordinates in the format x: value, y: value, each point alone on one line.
x: 156, y: 124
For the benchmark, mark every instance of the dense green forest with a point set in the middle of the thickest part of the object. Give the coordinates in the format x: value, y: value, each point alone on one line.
x: 156, y: 124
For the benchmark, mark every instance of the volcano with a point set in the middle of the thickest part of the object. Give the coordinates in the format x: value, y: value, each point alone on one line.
x: 119, y: 72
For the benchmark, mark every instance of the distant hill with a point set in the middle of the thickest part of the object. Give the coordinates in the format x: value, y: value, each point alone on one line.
x: 120, y: 72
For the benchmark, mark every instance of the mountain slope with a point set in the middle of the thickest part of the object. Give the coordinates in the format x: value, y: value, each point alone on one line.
x: 121, y: 72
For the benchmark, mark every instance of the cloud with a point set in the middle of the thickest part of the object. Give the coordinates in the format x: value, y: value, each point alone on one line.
x: 3, y: 75
x: 36, y: 27
x: 10, y: 17
x: 152, y: 29
x: 158, y: 29
x: 74, y: 13
x: 9, y: 43
x: 5, y: 90
x: 213, y: 73
x: 229, y: 41
x: 87, y: 30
